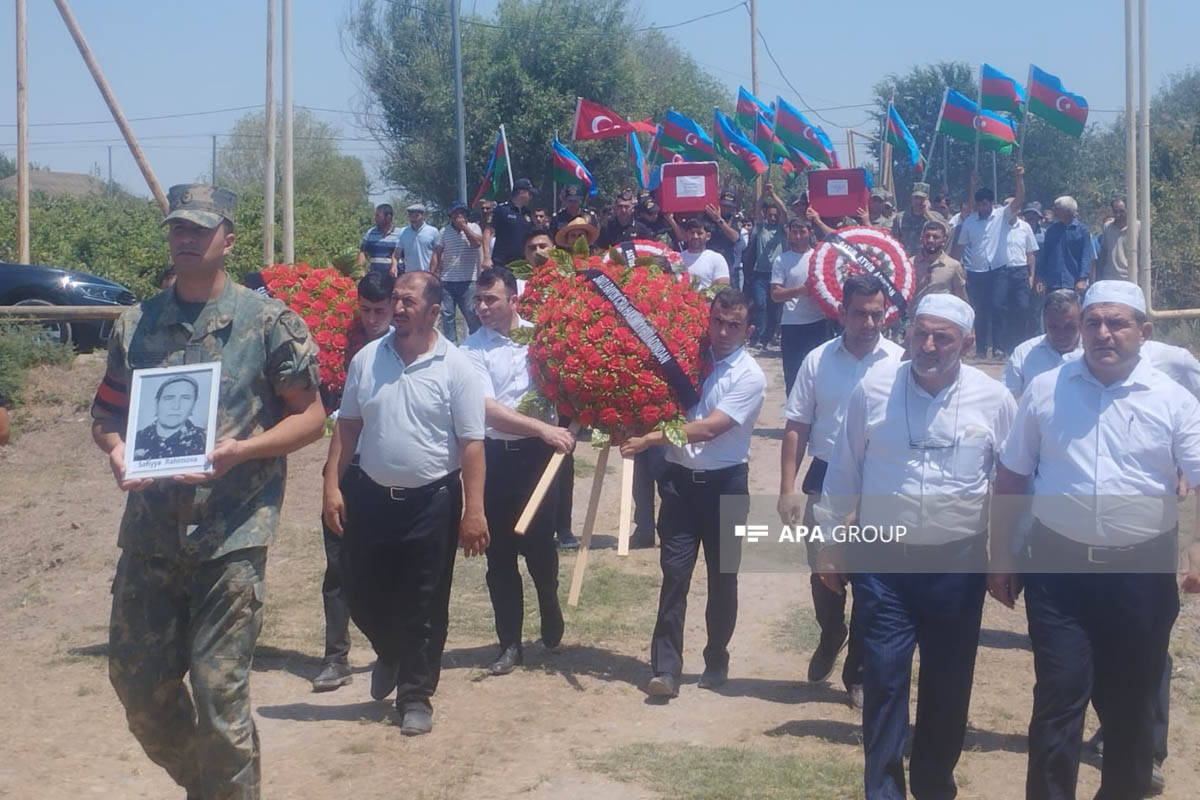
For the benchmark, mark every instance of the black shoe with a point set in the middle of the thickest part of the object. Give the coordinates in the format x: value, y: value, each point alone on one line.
x: 854, y: 693
x: 333, y: 675
x: 641, y: 541
x: 820, y: 666
x: 1158, y: 781
x: 663, y: 685
x: 713, y: 678
x: 552, y: 625
x: 510, y: 658
x: 383, y: 678
x: 567, y: 541
x: 418, y: 719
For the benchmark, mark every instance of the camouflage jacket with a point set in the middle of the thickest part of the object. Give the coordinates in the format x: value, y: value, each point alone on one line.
x: 264, y: 350
x: 907, y: 227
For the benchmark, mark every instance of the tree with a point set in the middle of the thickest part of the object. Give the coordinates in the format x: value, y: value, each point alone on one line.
x: 524, y: 69
x: 320, y: 167
x: 8, y: 166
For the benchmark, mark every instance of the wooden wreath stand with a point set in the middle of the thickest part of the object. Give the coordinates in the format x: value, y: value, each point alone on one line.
x: 589, y: 522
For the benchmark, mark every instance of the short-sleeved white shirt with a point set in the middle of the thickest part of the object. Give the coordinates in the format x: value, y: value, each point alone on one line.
x: 414, y: 248
x: 1177, y: 363
x: 984, y: 241
x: 460, y: 261
x: 1019, y: 243
x: 413, y: 415
x: 736, y: 387
x: 706, y: 267
x: 907, y: 458
x: 1031, y: 358
x: 789, y: 270
x: 1105, y: 458
x: 503, y: 367
x: 823, y: 385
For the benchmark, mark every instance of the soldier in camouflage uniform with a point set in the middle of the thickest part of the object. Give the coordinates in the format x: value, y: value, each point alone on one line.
x: 188, y: 592
x: 907, y: 225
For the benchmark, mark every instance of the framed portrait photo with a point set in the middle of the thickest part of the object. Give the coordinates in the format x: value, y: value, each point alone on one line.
x: 172, y: 420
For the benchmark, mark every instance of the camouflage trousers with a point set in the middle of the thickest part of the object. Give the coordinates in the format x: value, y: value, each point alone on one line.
x: 171, y: 617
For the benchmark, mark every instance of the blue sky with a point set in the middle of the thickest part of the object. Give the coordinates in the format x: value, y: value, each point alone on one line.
x: 163, y: 58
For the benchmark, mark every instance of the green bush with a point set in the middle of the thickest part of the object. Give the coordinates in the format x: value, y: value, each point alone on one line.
x: 23, y: 347
x: 119, y: 238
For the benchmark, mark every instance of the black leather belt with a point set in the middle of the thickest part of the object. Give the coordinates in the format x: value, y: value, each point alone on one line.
x: 403, y: 493
x: 513, y: 445
x: 1160, y: 552
x: 708, y: 475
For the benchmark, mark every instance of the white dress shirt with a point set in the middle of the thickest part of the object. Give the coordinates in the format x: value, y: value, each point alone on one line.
x: 1019, y: 243
x: 823, y: 386
x: 706, y: 267
x: 791, y: 269
x: 907, y: 458
x: 1105, y: 458
x: 413, y: 415
x: 1031, y: 358
x: 1177, y: 362
x: 985, y: 241
x: 736, y: 387
x: 503, y: 367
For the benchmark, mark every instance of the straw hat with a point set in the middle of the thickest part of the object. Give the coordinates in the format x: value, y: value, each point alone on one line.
x: 578, y: 224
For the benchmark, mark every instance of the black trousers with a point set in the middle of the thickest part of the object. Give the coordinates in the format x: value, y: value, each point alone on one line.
x: 513, y: 470
x: 1101, y: 636
x: 796, y: 342
x: 333, y: 595
x: 648, y: 468
x: 980, y: 290
x: 398, y: 560
x: 691, y: 518
x: 828, y: 605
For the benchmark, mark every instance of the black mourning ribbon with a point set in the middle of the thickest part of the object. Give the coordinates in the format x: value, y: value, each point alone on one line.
x: 684, y: 390
x: 855, y: 254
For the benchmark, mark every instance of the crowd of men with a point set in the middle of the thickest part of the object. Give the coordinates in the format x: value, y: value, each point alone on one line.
x: 1061, y: 481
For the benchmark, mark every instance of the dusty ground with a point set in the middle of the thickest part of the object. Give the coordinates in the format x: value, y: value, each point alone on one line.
x: 571, y: 724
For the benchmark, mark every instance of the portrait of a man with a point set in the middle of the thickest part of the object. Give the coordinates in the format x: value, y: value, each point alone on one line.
x: 172, y: 432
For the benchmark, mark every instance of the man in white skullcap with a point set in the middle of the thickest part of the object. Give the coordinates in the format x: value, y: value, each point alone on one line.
x: 1101, y: 439
x: 915, y: 455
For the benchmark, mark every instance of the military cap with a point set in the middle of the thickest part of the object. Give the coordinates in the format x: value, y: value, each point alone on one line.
x: 523, y: 183
x: 728, y: 197
x: 200, y: 203
x: 881, y: 193
x: 920, y: 189
x: 572, y: 191
x: 624, y: 194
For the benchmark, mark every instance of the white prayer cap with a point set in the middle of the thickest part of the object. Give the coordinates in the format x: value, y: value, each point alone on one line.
x: 949, y: 307
x: 1124, y: 292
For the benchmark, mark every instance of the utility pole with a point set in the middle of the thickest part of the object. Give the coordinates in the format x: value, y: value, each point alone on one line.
x: 758, y: 181
x: 459, y: 125
x: 22, y: 139
x: 1143, y: 235
x: 289, y: 208
x: 268, y: 257
x: 1131, y: 187
x: 111, y: 101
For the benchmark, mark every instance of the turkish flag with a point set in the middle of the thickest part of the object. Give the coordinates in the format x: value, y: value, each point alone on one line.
x: 594, y: 121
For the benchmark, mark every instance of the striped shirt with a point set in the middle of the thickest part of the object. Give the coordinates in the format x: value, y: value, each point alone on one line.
x: 460, y: 261
x: 379, y: 247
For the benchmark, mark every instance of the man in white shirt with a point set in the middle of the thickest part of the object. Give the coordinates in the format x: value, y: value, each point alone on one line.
x: 416, y: 241
x: 916, y: 450
x: 1112, y: 263
x: 1012, y: 284
x: 416, y: 404
x: 1102, y: 440
x: 713, y: 463
x: 706, y: 266
x: 981, y: 246
x: 802, y: 324
x: 1059, y: 344
x: 455, y: 262
x: 517, y: 448
x: 815, y: 407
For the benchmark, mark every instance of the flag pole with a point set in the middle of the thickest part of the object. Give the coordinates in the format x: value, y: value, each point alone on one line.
x: 553, y: 180
x: 507, y: 156
x: 575, y: 121
x: 995, y: 179
x: 1024, y: 118
x: 945, y: 141
x: 975, y: 121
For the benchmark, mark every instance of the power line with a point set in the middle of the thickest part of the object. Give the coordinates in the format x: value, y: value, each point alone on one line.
x: 134, y: 119
x: 565, y: 31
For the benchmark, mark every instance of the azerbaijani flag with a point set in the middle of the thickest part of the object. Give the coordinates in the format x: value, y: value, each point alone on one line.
x: 681, y: 134
x: 798, y: 160
x: 637, y: 161
x: 899, y: 137
x: 736, y: 148
x: 749, y: 107
x: 766, y: 140
x: 957, y: 117
x: 794, y: 130
x: 996, y: 132
x: 998, y: 92
x: 497, y: 165
x: 1050, y: 101
x: 569, y: 169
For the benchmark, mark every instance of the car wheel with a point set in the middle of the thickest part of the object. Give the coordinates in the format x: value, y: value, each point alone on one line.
x: 54, y: 331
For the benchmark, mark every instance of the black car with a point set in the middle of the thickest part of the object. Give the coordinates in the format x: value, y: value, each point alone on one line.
x: 27, y: 284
